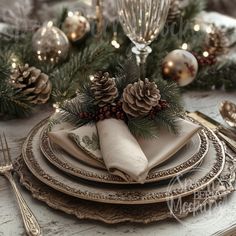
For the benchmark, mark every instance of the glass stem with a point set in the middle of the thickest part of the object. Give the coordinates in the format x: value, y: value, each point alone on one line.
x: 141, y: 58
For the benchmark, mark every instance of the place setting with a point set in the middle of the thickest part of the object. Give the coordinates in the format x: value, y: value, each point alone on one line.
x: 119, y: 145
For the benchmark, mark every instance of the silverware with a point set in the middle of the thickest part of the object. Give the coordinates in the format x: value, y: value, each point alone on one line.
x: 223, y: 133
x: 230, y: 231
x: 6, y: 168
x: 228, y: 112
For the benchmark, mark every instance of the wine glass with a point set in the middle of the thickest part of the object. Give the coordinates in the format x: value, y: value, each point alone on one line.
x: 142, y: 21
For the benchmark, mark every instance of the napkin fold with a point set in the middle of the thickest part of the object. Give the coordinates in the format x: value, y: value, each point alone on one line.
x: 121, y: 152
x: 109, y: 144
x: 66, y: 137
x: 167, y: 144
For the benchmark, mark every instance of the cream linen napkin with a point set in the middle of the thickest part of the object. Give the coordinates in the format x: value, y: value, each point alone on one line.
x: 123, y: 156
x: 64, y: 134
x: 167, y: 144
x: 121, y: 152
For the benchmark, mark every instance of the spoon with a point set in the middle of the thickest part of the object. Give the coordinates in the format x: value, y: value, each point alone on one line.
x: 228, y: 112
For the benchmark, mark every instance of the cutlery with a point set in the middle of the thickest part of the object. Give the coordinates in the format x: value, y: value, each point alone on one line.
x: 228, y: 112
x: 223, y: 133
x: 6, y: 168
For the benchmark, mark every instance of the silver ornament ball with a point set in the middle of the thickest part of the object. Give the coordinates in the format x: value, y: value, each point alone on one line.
x: 50, y: 44
x: 180, y: 66
x: 75, y: 26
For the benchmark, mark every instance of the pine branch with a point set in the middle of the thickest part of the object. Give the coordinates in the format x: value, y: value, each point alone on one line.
x: 221, y: 75
x: 67, y: 78
x: 193, y: 9
x: 12, y: 104
x: 143, y: 128
x: 70, y: 111
x: 61, y: 18
x: 126, y: 74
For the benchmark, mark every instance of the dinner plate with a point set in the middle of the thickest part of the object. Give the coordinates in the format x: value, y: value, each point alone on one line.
x: 112, y: 213
x: 211, y: 167
x: 183, y: 161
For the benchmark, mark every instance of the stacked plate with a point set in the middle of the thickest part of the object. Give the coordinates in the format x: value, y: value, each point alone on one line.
x: 196, y: 165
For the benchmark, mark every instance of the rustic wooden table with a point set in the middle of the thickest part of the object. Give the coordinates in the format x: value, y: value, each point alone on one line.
x: 54, y: 222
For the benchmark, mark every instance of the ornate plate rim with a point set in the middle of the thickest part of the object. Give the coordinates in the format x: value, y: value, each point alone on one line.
x: 154, y: 176
x: 127, y: 197
x: 85, y: 209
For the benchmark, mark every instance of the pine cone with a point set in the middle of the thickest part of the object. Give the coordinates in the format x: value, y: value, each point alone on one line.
x: 174, y: 11
x: 104, y: 89
x: 218, y: 42
x: 139, y: 98
x: 31, y: 82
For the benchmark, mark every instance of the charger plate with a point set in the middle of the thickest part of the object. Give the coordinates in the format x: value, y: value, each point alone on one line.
x: 188, y: 157
x: 212, y: 166
x: 113, y: 214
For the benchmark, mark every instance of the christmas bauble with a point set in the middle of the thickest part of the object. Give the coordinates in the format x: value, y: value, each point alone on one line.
x: 50, y: 44
x: 181, y: 66
x: 75, y: 26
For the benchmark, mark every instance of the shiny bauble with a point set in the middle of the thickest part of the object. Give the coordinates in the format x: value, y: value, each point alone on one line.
x: 180, y: 66
x: 75, y: 26
x: 50, y: 44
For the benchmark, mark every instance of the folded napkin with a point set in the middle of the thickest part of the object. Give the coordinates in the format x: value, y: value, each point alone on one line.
x: 109, y: 144
x: 66, y: 137
x: 121, y: 152
x: 167, y: 144
x: 131, y: 159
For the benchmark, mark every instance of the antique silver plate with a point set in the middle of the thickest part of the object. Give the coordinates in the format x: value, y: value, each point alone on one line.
x: 183, y: 161
x: 112, y: 213
x: 212, y: 166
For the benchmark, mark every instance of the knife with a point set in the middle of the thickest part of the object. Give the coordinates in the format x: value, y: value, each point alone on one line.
x: 223, y: 133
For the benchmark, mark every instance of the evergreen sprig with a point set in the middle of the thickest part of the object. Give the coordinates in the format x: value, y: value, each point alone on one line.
x: 221, y: 75
x: 144, y: 127
x: 73, y: 74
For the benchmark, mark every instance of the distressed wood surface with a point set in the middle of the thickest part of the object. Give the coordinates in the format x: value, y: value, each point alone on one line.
x: 54, y: 222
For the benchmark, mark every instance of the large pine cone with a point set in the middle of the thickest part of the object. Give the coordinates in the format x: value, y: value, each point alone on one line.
x: 174, y: 11
x: 104, y: 89
x: 32, y: 83
x: 139, y: 98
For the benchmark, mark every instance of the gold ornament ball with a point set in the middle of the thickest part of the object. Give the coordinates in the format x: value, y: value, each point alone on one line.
x: 75, y: 26
x: 180, y: 66
x: 50, y: 44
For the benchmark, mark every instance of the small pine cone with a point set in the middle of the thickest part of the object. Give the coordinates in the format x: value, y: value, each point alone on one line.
x: 218, y: 42
x: 32, y: 83
x: 104, y: 89
x: 174, y: 11
x: 139, y: 98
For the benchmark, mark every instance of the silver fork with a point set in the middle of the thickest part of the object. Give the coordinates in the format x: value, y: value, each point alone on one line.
x: 6, y: 168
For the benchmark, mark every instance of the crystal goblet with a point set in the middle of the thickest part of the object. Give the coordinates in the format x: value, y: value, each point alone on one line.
x: 142, y: 21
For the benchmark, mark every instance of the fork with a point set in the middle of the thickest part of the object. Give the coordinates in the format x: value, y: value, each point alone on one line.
x: 6, y: 168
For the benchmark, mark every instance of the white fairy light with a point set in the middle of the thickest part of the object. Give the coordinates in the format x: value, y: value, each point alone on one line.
x: 115, y: 44
x: 184, y: 46
x: 56, y: 106
x: 196, y: 27
x: 70, y: 13
x: 14, y: 62
x: 209, y: 29
x: 205, y: 54
x: 50, y: 24
x: 91, y: 77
